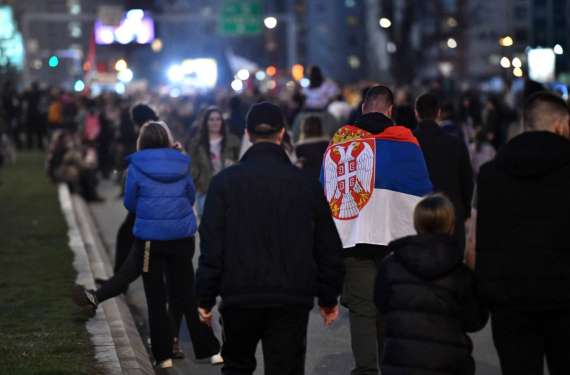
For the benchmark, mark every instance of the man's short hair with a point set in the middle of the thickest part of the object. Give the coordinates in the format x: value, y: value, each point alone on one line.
x: 379, y: 93
x: 542, y: 109
x: 427, y: 107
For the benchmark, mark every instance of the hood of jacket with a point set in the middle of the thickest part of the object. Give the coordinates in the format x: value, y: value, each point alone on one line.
x: 534, y: 154
x: 429, y: 256
x: 161, y: 164
x: 374, y: 122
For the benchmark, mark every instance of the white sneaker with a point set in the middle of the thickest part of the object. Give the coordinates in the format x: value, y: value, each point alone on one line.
x: 167, y: 363
x: 216, y: 360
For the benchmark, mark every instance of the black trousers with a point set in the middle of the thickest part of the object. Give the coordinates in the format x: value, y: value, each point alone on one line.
x: 524, y: 339
x: 172, y: 261
x: 281, y: 330
x: 125, y: 241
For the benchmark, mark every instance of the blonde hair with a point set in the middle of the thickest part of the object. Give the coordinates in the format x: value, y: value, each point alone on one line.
x: 434, y: 215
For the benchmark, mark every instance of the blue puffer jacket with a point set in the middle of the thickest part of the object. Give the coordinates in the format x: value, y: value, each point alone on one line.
x: 160, y: 190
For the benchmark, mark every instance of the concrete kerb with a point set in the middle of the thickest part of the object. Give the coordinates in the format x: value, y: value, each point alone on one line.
x: 118, y: 345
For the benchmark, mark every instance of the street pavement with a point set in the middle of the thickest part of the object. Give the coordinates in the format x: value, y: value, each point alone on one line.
x: 328, y: 349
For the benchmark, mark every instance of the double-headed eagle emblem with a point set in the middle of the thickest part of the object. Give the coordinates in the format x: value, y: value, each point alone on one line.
x: 349, y: 177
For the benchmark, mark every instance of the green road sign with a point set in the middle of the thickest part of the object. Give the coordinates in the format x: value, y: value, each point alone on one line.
x: 241, y: 17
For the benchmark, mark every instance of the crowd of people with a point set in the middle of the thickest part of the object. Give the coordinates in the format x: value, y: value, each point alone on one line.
x: 422, y: 217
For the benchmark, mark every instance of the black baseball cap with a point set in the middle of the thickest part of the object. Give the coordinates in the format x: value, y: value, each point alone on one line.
x: 264, y: 119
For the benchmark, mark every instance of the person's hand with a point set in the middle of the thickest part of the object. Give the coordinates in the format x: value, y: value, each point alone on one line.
x: 205, y: 316
x: 177, y: 146
x: 329, y: 314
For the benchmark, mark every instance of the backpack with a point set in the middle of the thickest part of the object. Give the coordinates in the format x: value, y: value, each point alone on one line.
x: 92, y: 127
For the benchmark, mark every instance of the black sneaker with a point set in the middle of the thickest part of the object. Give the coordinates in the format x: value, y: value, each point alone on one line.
x: 85, y: 298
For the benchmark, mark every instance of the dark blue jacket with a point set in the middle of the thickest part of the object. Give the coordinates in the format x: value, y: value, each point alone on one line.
x: 160, y: 190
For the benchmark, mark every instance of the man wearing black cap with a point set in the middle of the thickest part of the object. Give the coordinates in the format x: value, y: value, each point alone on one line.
x: 269, y: 246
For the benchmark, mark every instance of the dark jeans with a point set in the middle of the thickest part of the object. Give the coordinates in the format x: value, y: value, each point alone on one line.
x: 524, y: 339
x: 281, y: 330
x: 366, y: 323
x: 173, y: 260
x: 125, y: 241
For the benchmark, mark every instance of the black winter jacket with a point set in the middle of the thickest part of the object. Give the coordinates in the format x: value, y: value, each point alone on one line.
x: 429, y: 301
x: 267, y: 236
x: 450, y: 170
x: 523, y: 223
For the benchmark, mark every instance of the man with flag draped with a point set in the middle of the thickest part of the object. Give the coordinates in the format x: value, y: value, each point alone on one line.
x: 373, y: 175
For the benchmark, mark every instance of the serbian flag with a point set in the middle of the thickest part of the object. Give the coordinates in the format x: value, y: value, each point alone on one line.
x: 373, y: 183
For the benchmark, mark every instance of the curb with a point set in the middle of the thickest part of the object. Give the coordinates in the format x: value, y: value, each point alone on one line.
x: 118, y: 345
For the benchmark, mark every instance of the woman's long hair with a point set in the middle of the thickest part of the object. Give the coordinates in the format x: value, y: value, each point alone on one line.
x: 205, y: 134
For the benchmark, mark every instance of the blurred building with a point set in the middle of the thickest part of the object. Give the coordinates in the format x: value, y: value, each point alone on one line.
x: 528, y: 24
x: 335, y: 38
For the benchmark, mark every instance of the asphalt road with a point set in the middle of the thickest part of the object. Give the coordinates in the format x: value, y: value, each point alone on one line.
x: 328, y: 349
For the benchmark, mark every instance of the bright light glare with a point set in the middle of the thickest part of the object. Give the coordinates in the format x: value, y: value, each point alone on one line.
x: 558, y: 49
x: 121, y: 65
x: 237, y: 85
x: 120, y: 88
x: 156, y: 45
x: 541, y: 64
x: 451, y: 43
x: 305, y: 82
x: 125, y: 75
x: 505, y: 62
x: 385, y: 23
x: 201, y: 73
x: 517, y: 72
x: 243, y: 74
x: 270, y: 22
x: 517, y: 63
x: 506, y: 41
x: 135, y: 14
x: 175, y: 73
x: 260, y: 75
x: 79, y: 85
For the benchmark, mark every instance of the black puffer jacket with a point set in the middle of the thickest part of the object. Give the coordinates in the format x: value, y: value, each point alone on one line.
x: 429, y: 302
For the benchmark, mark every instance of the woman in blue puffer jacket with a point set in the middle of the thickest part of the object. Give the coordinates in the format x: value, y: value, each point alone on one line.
x: 160, y: 190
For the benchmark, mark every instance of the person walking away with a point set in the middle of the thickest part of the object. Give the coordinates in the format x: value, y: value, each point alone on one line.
x: 448, y: 162
x: 140, y: 114
x: 160, y: 191
x: 269, y: 247
x: 311, y: 147
x: 522, y: 247
x: 448, y: 122
x: 427, y: 335
x: 374, y: 174
x: 35, y: 118
x: 213, y: 150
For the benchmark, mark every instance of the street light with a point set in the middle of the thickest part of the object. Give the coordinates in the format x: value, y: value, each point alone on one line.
x: 243, y: 75
x: 506, y: 41
x: 270, y: 22
x: 517, y: 63
x: 385, y: 23
x: 451, y: 43
x: 121, y: 65
x: 505, y: 62
x: 558, y: 49
x: 518, y: 72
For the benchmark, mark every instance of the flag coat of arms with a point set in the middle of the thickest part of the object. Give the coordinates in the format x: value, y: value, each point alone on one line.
x: 373, y: 183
